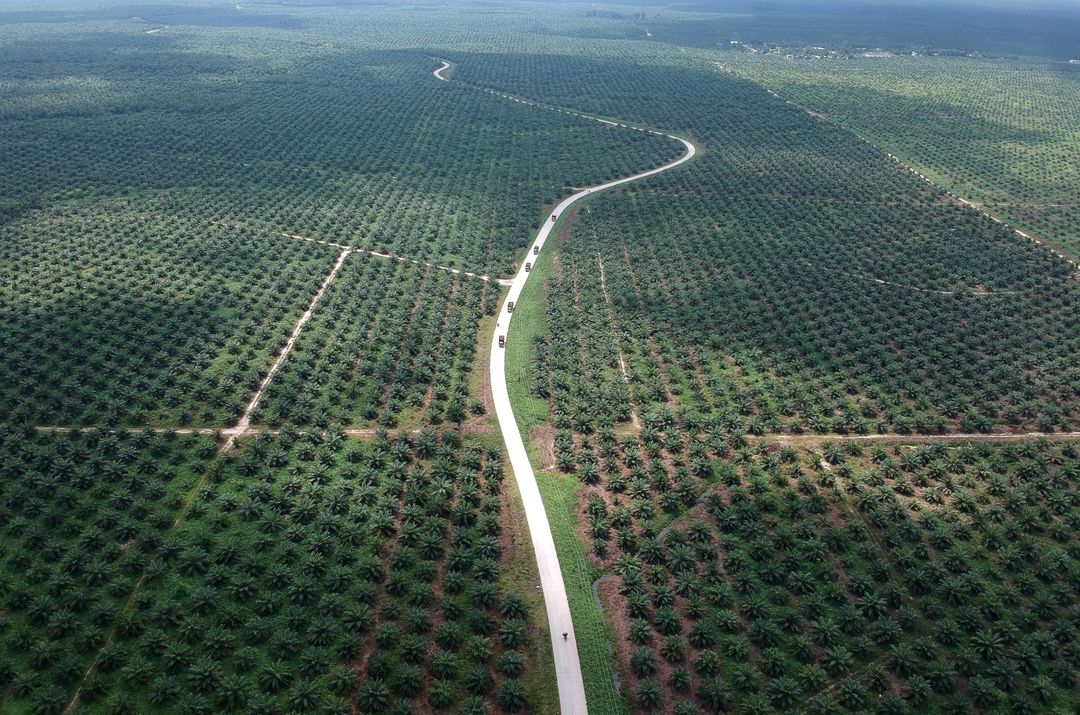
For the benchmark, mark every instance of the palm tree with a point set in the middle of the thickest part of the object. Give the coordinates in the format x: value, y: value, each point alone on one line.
x: 702, y: 636
x: 304, y: 697
x: 478, y: 680
x: 444, y: 665
x: 341, y: 680
x: 163, y: 691
x: 413, y: 649
x: 853, y: 695
x: 650, y: 695
x: 983, y: 692
x: 643, y: 662
x: 667, y: 621
x: 918, y: 690
x: 408, y: 680
x: 988, y: 644
x: 512, y: 633
x: 373, y: 697
x: 942, y: 677
x: 892, y: 704
x: 902, y: 660
x: 512, y: 696
x: 825, y: 705
x: 715, y: 696
x: 441, y: 695
x: 275, y: 677
x: 50, y: 699
x: 232, y: 693
x: 426, y: 443
x: 204, y: 675
x: 357, y: 618
x: 680, y: 679
x: 784, y: 692
x: 707, y: 663
x: 837, y: 660
x: 479, y: 648
x: 811, y: 678
x: 475, y: 706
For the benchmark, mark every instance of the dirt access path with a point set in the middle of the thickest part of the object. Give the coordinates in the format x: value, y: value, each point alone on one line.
x: 564, y: 644
x: 231, y: 434
x: 811, y: 440
x: 245, y: 419
x: 622, y: 361
x: 372, y: 252
x: 1053, y: 247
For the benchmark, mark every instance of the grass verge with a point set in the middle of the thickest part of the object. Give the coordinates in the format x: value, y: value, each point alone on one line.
x: 529, y: 320
x: 559, y: 493
x: 591, y: 630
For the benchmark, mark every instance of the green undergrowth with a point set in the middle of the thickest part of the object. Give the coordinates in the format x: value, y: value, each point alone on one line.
x: 529, y: 321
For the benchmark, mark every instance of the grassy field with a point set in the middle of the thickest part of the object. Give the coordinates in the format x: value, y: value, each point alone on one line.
x: 520, y: 576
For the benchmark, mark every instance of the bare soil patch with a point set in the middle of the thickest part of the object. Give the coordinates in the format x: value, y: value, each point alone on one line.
x: 544, y: 437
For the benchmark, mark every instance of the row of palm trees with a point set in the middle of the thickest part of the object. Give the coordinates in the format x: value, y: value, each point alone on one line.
x: 796, y: 344
x: 309, y: 574
x: 362, y: 149
x: 791, y: 278
x: 155, y: 320
x: 905, y: 578
x: 1035, y: 188
x: 387, y: 336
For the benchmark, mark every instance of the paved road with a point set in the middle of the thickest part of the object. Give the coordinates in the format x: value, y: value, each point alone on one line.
x: 567, y: 665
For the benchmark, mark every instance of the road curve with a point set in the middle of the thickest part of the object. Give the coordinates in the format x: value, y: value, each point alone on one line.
x: 567, y: 664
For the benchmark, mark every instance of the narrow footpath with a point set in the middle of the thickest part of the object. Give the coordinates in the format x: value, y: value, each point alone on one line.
x: 567, y: 664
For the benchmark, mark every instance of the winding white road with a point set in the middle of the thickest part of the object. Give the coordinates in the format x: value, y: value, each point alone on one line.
x: 567, y: 664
